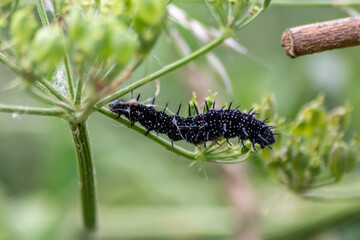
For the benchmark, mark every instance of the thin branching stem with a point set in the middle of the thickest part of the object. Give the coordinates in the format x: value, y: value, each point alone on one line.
x: 15, y: 68
x: 79, y: 88
x: 56, y: 112
x: 87, y: 181
x: 168, y: 68
x: 126, y: 74
x: 39, y: 94
x: 42, y: 12
x: 88, y: 109
x: 331, y: 197
x: 9, y: 63
x: 250, y: 16
x: 42, y: 93
x: 237, y: 158
x: 323, y: 184
x: 69, y: 76
x: 53, y: 90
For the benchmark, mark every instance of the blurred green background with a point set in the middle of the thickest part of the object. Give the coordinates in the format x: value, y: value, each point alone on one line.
x: 146, y: 192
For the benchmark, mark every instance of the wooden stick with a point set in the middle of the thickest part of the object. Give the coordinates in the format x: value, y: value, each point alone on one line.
x: 322, y: 36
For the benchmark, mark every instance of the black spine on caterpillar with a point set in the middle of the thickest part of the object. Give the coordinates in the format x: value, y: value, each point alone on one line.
x: 210, y: 126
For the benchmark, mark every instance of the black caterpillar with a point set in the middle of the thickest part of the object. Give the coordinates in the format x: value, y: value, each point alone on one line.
x: 210, y: 126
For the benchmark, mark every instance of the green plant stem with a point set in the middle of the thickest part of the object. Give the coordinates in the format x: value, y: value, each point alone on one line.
x: 162, y: 142
x: 31, y: 110
x: 168, y: 68
x: 237, y: 158
x: 194, y: 156
x: 53, y: 90
x: 9, y: 64
x: 79, y: 88
x: 48, y: 99
x: 125, y: 75
x: 249, y: 17
x: 87, y: 182
x: 69, y: 76
x: 330, y: 197
x: 42, y: 12
x: 15, y: 68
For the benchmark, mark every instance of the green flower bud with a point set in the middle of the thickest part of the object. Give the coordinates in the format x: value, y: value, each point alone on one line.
x: 275, y: 164
x: 114, y: 6
x: 93, y: 40
x: 85, y: 37
x: 352, y: 159
x: 6, y: 6
x: 150, y: 12
x: 147, y: 16
x: 247, y: 147
x: 61, y: 5
x: 300, y: 163
x: 23, y: 27
x: 210, y: 100
x: 193, y: 105
x: 123, y: 46
x: 315, y: 166
x: 77, y: 24
x: 311, y: 117
x: 340, y: 117
x: 47, y: 49
x: 342, y: 160
x: 266, y: 108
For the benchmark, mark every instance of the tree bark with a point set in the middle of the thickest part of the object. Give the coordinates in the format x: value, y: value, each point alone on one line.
x: 318, y: 37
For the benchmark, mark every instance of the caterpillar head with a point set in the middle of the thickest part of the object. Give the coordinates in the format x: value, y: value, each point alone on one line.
x: 114, y: 105
x: 265, y: 136
x: 121, y: 104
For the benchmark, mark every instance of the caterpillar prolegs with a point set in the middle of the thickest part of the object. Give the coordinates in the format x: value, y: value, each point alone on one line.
x: 210, y: 126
